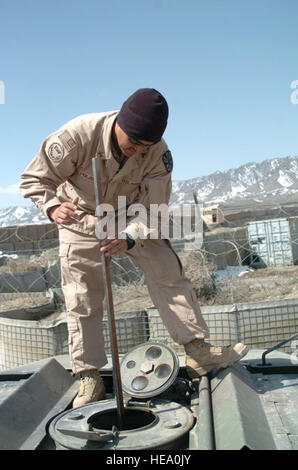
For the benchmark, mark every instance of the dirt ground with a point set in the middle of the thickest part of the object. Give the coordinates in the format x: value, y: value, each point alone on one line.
x: 271, y: 283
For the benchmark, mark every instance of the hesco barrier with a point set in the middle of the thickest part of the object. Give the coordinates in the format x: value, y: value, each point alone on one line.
x: 257, y: 324
x: 24, y: 339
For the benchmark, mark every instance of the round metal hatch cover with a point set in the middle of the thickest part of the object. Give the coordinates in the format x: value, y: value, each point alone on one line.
x: 163, y: 425
x: 148, y: 369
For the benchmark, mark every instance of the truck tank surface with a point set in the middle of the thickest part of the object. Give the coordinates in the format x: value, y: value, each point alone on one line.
x: 247, y: 406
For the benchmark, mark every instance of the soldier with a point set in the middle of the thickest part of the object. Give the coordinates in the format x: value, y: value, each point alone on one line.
x: 135, y: 162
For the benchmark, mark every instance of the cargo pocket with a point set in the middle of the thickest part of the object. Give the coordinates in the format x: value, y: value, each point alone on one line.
x: 67, y: 283
x: 63, y: 256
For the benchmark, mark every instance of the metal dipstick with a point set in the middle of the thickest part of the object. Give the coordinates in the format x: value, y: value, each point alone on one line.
x: 109, y: 304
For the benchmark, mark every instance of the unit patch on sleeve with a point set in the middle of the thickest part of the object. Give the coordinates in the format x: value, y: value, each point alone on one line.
x: 60, y: 146
x: 168, y: 160
x: 68, y: 142
x: 56, y: 152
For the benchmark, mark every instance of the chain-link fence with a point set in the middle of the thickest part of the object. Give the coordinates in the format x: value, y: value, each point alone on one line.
x: 245, y: 277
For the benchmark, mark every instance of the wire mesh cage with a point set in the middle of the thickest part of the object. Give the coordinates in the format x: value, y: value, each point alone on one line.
x: 258, y: 325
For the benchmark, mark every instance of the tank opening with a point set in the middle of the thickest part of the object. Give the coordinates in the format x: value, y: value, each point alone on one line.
x: 133, y: 419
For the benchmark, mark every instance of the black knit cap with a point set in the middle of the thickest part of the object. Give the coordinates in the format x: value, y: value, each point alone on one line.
x: 144, y: 115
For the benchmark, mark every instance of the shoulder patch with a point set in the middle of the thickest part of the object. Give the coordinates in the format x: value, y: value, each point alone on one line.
x: 68, y: 142
x: 60, y: 146
x: 168, y: 160
x: 56, y: 152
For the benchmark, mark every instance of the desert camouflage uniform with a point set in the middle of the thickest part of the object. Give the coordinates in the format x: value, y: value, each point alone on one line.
x: 62, y: 171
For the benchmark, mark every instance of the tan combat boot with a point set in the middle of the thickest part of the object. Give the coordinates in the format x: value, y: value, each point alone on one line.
x: 202, y: 357
x: 91, y: 388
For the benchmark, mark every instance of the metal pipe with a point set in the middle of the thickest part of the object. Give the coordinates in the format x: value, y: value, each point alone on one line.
x: 109, y: 305
x: 276, y: 346
x: 201, y: 437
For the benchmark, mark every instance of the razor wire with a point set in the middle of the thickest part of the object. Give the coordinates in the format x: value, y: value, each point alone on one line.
x: 29, y: 259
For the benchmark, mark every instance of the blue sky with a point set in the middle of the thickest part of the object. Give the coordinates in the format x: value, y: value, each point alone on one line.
x: 225, y: 67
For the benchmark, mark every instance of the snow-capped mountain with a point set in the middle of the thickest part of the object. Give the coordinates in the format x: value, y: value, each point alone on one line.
x: 274, y: 181
x: 21, y: 216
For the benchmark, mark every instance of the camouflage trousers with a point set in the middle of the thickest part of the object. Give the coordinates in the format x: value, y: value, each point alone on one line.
x: 83, y: 288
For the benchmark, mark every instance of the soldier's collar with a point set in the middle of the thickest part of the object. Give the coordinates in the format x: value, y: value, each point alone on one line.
x: 104, y: 149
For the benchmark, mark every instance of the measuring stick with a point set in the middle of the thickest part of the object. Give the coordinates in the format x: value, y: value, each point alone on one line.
x: 109, y: 304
